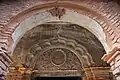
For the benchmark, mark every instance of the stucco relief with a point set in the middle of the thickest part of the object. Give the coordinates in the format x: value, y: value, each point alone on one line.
x: 71, y: 63
x: 58, y: 45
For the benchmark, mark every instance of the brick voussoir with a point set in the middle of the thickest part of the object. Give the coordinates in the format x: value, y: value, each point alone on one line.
x: 5, y: 40
x: 4, y: 61
x: 6, y: 56
x: 3, y: 66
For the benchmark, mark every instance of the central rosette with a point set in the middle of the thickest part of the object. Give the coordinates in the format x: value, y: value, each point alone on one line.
x: 58, y: 57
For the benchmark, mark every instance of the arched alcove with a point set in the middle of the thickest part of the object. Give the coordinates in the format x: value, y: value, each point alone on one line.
x: 59, y: 49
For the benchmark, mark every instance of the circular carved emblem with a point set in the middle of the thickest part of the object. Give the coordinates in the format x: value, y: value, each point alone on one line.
x: 58, y: 57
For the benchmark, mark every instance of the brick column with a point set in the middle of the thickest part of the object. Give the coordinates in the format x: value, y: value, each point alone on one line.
x: 113, y: 58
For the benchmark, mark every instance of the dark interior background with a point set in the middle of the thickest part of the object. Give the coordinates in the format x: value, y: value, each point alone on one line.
x: 58, y: 78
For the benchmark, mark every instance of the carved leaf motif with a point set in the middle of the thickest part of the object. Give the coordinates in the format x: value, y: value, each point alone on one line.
x: 58, y: 12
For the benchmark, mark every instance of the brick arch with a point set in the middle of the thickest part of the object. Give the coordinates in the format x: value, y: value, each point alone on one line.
x: 82, y: 8
x: 108, y: 21
x: 43, y: 17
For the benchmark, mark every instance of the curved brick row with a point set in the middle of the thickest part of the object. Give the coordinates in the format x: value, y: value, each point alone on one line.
x: 1, y: 73
x: 111, y: 15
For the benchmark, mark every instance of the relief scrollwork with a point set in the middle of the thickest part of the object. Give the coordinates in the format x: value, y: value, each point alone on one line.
x: 56, y: 56
x: 31, y: 56
x: 69, y: 55
x: 58, y: 59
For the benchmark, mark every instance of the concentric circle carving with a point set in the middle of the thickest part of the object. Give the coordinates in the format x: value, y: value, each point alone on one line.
x: 58, y: 57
